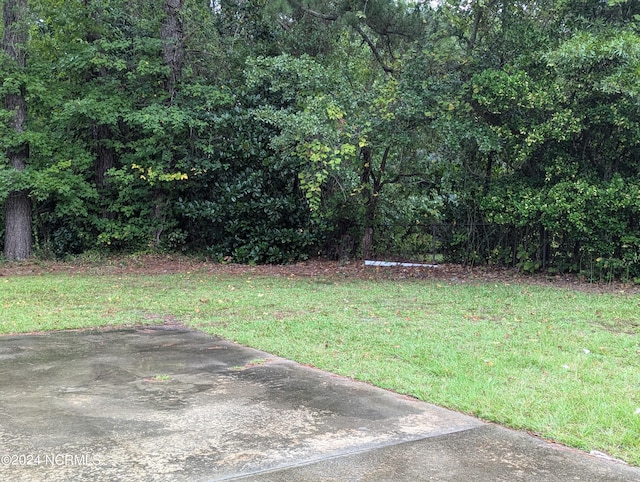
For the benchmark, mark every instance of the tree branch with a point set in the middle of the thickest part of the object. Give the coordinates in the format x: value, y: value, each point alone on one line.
x: 476, y: 26
x: 376, y: 53
x: 385, y: 156
x: 397, y: 178
x: 324, y: 16
x: 374, y: 50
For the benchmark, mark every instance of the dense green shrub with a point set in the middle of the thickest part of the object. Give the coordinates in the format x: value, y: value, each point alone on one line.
x: 579, y: 226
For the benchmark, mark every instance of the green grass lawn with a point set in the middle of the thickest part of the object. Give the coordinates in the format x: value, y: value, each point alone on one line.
x: 559, y: 363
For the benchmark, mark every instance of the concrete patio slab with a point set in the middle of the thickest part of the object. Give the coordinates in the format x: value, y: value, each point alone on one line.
x: 153, y: 404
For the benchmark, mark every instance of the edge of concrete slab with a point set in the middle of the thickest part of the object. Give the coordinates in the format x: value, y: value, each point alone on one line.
x: 484, y: 453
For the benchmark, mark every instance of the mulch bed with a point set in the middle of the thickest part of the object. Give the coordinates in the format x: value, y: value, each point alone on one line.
x: 323, y: 268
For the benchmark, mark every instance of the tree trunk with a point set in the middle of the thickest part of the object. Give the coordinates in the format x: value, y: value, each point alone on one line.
x: 104, y: 160
x: 487, y: 175
x: 369, y: 185
x: 478, y: 9
x: 160, y: 206
x: 102, y: 133
x: 18, y: 242
x: 371, y: 205
x: 105, y: 154
x: 172, y: 35
x: 367, y: 239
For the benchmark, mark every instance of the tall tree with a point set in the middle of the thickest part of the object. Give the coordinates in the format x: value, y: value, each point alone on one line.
x: 18, y: 240
x: 172, y: 35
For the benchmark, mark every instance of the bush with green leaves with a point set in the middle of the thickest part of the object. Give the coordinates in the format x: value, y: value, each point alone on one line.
x: 579, y: 226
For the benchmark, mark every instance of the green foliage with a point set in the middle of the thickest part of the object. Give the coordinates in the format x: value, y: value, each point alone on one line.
x: 248, y: 206
x: 255, y: 217
x: 540, y: 141
x: 291, y: 128
x: 405, y: 218
x: 587, y: 226
x: 308, y: 119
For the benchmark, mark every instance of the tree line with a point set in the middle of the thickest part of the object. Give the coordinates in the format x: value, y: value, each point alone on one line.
x: 274, y: 130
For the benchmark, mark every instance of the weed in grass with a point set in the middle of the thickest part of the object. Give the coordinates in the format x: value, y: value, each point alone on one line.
x: 161, y: 378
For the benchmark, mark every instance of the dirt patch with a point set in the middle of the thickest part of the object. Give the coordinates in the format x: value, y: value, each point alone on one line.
x: 316, y: 268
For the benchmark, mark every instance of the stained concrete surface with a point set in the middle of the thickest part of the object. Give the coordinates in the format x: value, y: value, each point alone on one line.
x: 152, y: 404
